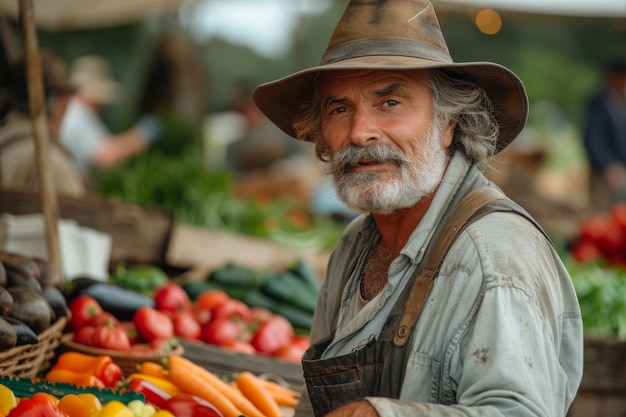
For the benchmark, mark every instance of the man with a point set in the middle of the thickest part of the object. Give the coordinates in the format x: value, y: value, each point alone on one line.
x: 497, y: 329
x: 605, y: 139
x: 83, y: 131
x: 18, y: 167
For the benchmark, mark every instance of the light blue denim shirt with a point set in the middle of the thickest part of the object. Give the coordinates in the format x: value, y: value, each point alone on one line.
x: 501, y: 333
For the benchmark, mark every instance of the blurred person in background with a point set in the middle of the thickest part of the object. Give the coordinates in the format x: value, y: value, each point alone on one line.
x: 261, y: 144
x: 605, y: 138
x: 18, y: 162
x: 83, y: 131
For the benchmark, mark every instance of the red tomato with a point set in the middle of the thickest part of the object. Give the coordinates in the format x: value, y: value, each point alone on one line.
x: 603, y: 232
x: 103, y: 317
x: 131, y: 331
x: 239, y: 346
x: 185, y: 325
x: 106, y: 336
x: 171, y: 297
x: 272, y: 334
x: 289, y: 352
x: 209, y: 299
x: 222, y: 330
x: 260, y: 315
x: 231, y: 308
x: 201, y: 315
x: 153, y: 324
x: 618, y: 213
x: 84, y: 335
x: 82, y: 309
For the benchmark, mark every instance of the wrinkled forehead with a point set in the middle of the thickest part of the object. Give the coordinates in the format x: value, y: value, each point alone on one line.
x: 329, y: 82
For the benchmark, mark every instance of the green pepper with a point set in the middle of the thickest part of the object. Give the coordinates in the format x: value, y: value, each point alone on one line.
x: 143, y: 278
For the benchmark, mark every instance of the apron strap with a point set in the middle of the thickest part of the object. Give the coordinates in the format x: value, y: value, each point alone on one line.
x: 474, y: 205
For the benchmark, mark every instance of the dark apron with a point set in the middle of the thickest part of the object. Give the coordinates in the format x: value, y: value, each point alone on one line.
x: 377, y: 369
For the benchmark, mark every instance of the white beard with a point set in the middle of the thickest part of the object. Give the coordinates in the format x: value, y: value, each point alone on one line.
x: 366, y: 193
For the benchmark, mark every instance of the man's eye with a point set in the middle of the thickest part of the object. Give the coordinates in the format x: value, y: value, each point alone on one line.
x: 390, y: 103
x: 337, y: 110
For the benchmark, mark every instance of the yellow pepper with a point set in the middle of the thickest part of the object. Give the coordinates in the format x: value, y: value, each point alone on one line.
x: 7, y: 399
x: 113, y: 409
x: 163, y: 413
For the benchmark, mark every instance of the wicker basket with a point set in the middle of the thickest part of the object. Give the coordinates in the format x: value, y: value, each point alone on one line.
x: 28, y: 361
x: 127, y: 361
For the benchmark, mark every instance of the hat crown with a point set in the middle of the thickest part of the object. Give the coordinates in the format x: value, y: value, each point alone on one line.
x: 387, y: 27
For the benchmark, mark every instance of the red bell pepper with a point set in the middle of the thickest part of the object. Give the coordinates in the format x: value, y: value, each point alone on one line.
x: 39, y: 405
x: 187, y: 405
x: 154, y: 395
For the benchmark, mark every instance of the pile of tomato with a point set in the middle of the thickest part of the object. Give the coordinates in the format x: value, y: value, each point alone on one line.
x: 214, y: 317
x: 602, y: 237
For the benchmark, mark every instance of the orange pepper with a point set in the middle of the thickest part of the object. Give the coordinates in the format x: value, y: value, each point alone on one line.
x: 101, y: 366
x: 81, y: 379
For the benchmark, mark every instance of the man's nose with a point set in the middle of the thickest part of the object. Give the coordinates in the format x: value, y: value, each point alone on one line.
x: 364, y: 129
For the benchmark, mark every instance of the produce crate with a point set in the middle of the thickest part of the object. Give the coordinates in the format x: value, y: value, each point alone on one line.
x: 29, y: 361
x: 226, y: 363
x: 602, y: 391
x: 139, y: 234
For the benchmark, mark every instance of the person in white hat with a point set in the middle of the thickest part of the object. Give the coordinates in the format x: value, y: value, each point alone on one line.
x: 444, y: 297
x: 18, y: 161
x: 91, y: 142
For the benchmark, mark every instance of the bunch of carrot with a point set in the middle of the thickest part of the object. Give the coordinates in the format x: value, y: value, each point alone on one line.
x: 246, y: 394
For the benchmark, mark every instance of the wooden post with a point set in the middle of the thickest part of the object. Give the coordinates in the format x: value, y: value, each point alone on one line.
x: 40, y: 129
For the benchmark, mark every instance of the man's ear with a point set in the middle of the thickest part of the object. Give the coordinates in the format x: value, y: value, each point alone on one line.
x: 447, y: 134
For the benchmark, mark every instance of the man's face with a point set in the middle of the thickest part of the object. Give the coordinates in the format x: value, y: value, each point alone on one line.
x: 387, y: 152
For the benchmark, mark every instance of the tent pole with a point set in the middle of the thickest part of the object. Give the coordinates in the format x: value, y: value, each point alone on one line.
x: 40, y: 130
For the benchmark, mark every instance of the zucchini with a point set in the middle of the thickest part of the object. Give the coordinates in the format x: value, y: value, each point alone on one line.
x: 287, y: 287
x: 299, y: 319
x: 256, y: 298
x: 303, y: 269
x: 233, y: 275
x: 195, y: 288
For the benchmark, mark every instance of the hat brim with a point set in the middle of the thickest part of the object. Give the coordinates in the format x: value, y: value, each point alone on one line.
x: 280, y: 100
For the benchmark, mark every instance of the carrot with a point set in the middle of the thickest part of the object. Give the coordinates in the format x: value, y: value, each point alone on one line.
x: 182, y: 371
x: 252, y: 387
x: 276, y: 387
x: 282, y: 395
x: 151, y: 368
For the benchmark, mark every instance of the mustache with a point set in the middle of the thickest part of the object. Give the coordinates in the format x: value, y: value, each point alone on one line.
x: 352, y: 156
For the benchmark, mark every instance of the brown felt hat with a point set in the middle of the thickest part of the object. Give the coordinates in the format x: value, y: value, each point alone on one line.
x: 394, y: 35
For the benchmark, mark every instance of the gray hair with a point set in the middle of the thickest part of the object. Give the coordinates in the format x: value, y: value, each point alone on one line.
x: 454, y: 98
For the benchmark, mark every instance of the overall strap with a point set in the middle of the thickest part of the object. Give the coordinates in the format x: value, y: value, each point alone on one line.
x: 474, y: 205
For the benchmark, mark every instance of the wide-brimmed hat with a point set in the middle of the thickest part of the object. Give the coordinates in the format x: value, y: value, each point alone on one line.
x: 394, y: 35
x: 91, y: 75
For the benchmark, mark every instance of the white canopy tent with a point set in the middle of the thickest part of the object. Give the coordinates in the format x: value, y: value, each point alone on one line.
x: 571, y: 8
x: 65, y: 15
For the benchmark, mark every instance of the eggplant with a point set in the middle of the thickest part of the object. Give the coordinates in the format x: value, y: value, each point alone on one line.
x: 30, y: 307
x: 119, y: 301
x: 57, y: 301
x: 3, y: 275
x: 50, y: 274
x: 6, y: 301
x: 8, y: 335
x: 25, y: 335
